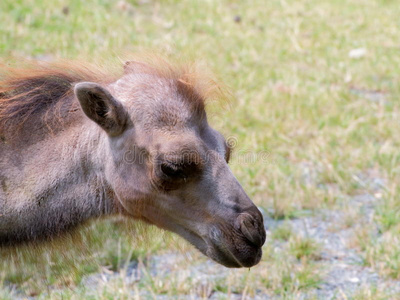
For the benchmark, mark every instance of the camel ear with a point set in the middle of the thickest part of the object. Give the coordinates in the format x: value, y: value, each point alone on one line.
x: 101, y: 107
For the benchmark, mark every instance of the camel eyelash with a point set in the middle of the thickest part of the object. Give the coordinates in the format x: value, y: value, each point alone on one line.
x: 229, y: 149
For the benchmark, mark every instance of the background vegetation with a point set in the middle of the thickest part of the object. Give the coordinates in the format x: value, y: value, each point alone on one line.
x: 316, y: 86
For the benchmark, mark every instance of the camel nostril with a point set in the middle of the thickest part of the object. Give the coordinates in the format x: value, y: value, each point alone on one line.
x: 252, y: 229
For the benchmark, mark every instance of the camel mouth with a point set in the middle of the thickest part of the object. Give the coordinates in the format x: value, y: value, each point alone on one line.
x: 239, y: 255
x: 230, y: 257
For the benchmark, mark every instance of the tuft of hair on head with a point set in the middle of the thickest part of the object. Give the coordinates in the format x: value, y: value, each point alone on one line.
x: 194, y: 76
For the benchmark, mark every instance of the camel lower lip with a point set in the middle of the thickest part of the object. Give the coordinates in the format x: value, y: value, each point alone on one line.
x: 222, y: 253
x: 225, y: 257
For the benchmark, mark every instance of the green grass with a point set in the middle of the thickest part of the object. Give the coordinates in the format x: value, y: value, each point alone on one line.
x: 303, y: 248
x: 282, y: 233
x: 288, y: 277
x: 300, y: 100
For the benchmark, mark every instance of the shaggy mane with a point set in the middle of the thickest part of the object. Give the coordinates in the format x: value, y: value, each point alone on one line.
x: 43, y: 91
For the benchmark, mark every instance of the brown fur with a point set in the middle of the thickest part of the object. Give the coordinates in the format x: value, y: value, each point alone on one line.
x: 42, y: 92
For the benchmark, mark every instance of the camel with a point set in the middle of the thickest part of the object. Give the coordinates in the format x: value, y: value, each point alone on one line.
x: 78, y: 143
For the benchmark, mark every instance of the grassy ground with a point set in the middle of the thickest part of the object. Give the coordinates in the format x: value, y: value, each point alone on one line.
x: 316, y: 119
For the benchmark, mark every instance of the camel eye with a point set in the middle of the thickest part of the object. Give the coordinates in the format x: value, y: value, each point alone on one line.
x: 173, y: 171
